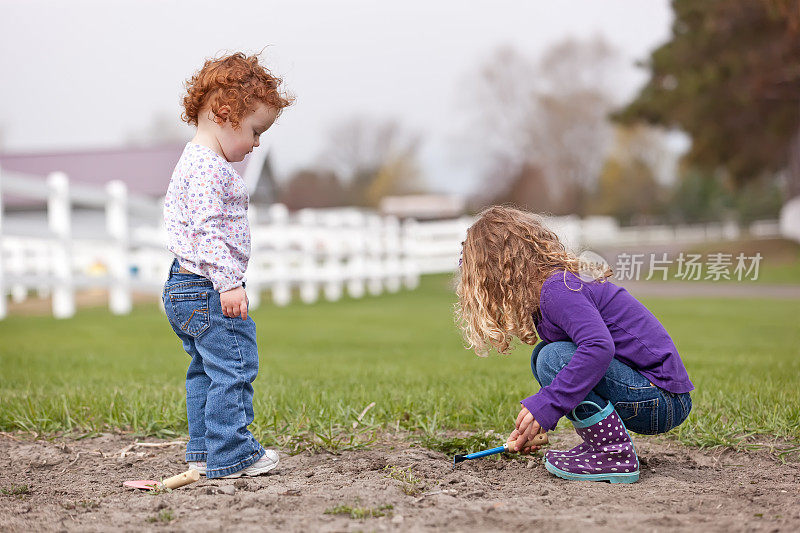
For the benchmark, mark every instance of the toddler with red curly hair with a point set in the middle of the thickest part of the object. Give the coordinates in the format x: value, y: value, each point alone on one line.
x: 232, y: 101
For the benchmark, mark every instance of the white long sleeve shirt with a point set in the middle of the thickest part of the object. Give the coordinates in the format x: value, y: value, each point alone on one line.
x: 205, y: 212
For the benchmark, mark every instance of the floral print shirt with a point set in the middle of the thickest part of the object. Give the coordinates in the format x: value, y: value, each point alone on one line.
x: 205, y: 211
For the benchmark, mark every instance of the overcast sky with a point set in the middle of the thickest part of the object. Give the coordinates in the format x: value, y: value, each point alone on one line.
x: 85, y: 74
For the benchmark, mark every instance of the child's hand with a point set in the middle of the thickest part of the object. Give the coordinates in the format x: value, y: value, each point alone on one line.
x: 234, y: 303
x: 526, y: 428
x: 512, y: 442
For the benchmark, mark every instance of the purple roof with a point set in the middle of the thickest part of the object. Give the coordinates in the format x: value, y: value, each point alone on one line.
x: 146, y: 169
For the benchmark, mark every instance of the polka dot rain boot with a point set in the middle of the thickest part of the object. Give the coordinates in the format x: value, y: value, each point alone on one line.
x: 572, y: 452
x: 606, y: 454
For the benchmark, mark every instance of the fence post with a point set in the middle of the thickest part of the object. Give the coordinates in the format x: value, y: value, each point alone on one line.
x: 12, y: 259
x: 373, y: 252
x: 156, y: 270
x: 410, y: 258
x: 59, y: 219
x: 392, y: 258
x: 17, y: 264
x: 307, y: 220
x: 331, y: 272
x: 119, y: 291
x: 41, y: 259
x: 281, y: 289
x: 253, y: 282
x: 355, y: 268
x: 3, y: 305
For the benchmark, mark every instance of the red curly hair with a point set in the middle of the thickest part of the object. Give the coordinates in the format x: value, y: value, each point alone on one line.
x: 236, y: 81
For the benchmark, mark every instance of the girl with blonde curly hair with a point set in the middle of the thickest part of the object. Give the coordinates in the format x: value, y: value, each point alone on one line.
x: 602, y: 359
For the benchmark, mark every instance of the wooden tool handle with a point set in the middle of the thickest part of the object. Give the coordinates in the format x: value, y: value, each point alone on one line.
x: 540, y: 439
x: 190, y: 476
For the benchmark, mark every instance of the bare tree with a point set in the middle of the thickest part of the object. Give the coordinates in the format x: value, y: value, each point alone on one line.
x: 549, y: 114
x: 650, y: 146
x: 375, y: 158
x: 312, y: 188
x: 631, y: 187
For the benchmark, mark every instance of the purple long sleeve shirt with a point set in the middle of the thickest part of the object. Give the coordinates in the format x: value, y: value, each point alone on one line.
x: 605, y: 321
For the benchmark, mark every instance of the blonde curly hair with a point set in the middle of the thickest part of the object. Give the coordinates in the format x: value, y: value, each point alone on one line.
x: 506, y: 258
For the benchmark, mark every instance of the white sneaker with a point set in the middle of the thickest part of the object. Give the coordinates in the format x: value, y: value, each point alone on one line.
x: 199, y: 466
x: 267, y: 462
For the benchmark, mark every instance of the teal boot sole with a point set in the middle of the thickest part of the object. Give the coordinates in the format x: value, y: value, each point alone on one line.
x: 626, y: 477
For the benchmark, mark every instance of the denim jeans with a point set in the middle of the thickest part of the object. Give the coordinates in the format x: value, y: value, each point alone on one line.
x: 219, y: 394
x: 643, y: 407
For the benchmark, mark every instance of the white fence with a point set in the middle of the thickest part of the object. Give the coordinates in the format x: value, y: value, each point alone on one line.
x: 308, y: 253
x: 51, y: 261
x: 601, y: 232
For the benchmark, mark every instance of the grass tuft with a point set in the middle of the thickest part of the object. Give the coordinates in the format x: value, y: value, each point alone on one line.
x: 462, y: 445
x: 411, y: 484
x: 360, y: 513
x: 15, y: 490
x: 164, y: 516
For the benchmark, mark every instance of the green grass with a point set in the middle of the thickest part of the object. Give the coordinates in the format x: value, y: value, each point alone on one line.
x: 360, y: 513
x: 744, y: 359
x: 322, y: 364
x: 455, y: 445
x: 410, y: 484
x: 15, y: 490
x: 780, y: 273
x: 164, y: 515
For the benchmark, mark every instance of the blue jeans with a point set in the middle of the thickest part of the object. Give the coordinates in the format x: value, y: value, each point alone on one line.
x: 219, y: 394
x: 643, y: 407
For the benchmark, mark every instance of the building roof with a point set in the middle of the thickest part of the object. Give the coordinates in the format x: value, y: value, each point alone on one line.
x: 144, y: 169
x: 424, y: 206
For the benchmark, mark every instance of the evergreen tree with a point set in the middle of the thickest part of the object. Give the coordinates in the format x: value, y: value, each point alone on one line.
x: 730, y: 78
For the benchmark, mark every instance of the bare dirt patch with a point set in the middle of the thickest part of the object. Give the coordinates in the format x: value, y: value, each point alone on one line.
x: 76, y: 485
